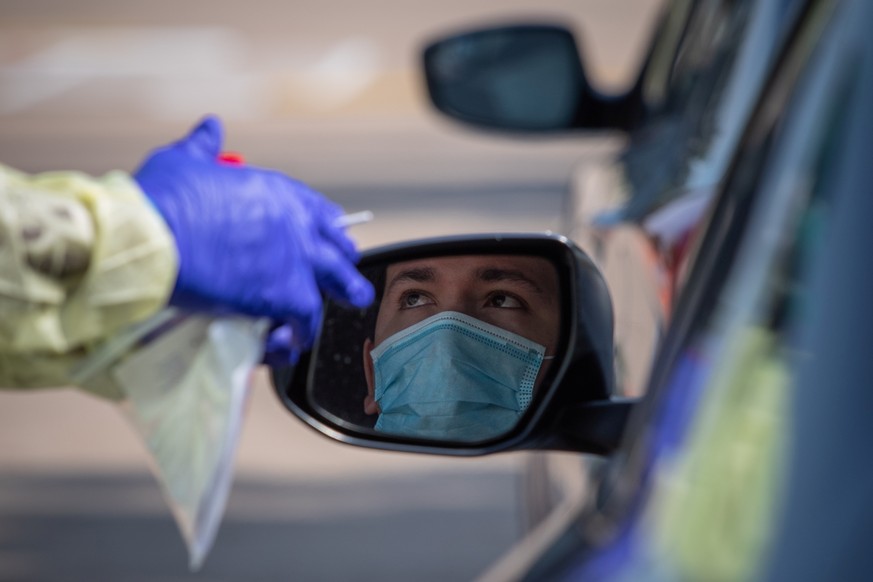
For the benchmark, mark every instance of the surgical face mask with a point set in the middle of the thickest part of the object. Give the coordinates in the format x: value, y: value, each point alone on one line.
x: 454, y: 377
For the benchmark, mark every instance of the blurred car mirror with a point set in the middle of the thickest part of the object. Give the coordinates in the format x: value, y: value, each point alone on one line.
x: 525, y: 78
x: 474, y: 344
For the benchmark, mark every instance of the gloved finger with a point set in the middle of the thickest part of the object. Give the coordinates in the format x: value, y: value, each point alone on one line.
x: 303, y: 333
x: 279, y: 349
x: 204, y: 142
x: 324, y: 214
x: 301, y: 330
x: 339, y: 278
x: 338, y: 237
x: 296, y: 334
x: 299, y: 305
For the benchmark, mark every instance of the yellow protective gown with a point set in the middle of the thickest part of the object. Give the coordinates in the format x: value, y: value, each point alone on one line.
x: 80, y: 259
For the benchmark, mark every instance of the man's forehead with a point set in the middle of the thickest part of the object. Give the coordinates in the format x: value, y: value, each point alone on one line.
x: 472, y: 265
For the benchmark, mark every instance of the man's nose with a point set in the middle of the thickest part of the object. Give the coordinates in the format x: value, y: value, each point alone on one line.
x: 462, y: 303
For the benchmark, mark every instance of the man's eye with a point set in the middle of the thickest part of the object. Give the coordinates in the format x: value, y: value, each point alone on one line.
x: 413, y: 299
x: 504, y: 301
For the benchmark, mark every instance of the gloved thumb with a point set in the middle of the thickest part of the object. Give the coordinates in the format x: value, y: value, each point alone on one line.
x: 205, y: 141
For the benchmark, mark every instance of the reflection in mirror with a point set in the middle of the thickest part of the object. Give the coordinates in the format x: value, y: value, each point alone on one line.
x: 453, y: 349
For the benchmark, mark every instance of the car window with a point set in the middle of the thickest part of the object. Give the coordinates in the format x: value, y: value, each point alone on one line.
x: 693, y: 495
x: 656, y: 77
x: 698, y: 102
x: 695, y: 39
x: 721, y: 430
x: 671, y: 169
x: 734, y: 85
x: 714, y: 33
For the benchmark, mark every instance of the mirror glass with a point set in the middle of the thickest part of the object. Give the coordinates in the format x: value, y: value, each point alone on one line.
x: 454, y: 348
x: 524, y: 78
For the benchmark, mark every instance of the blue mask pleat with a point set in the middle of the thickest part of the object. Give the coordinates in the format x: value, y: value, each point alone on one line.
x: 454, y: 377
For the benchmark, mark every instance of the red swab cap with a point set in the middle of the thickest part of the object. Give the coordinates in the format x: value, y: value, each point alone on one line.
x: 231, y: 158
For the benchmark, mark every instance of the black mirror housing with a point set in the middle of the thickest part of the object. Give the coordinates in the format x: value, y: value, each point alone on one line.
x: 526, y: 78
x: 578, y: 386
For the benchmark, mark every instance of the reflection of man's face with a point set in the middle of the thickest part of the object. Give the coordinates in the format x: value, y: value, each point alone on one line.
x: 516, y: 293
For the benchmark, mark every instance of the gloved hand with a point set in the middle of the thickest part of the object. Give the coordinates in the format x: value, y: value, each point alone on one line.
x: 250, y: 241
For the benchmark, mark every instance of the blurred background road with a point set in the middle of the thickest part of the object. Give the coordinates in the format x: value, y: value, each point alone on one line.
x: 328, y: 92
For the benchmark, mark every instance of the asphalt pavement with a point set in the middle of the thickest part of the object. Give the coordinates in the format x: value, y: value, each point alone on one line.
x: 417, y: 526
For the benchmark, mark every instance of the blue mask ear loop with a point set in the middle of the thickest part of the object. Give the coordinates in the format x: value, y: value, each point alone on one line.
x: 549, y: 357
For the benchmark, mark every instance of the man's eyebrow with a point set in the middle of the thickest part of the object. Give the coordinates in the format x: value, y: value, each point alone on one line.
x: 417, y: 274
x: 496, y: 274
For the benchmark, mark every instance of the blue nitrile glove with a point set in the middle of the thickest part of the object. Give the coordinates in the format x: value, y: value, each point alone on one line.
x: 250, y: 241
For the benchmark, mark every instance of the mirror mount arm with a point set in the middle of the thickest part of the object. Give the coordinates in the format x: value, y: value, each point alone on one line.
x: 595, y: 427
x: 599, y: 111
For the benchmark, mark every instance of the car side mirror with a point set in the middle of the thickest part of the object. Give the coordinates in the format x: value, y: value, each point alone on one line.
x: 474, y: 345
x: 525, y: 78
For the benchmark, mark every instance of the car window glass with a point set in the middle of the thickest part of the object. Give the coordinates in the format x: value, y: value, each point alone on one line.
x: 657, y: 74
x: 714, y: 33
x: 711, y: 32
x: 730, y: 362
x: 732, y: 89
x: 673, y: 166
x: 685, y: 116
